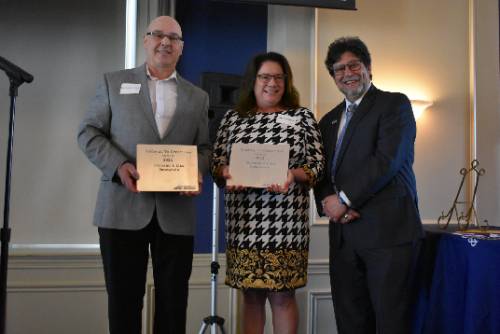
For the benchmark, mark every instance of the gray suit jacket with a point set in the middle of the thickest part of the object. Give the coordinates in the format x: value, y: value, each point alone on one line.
x: 115, y: 124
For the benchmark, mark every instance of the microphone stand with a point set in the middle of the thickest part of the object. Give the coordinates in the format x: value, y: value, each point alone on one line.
x: 16, y: 77
x: 213, y: 321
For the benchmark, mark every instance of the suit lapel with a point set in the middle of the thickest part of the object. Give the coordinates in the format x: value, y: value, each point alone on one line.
x: 361, y: 111
x: 147, y: 108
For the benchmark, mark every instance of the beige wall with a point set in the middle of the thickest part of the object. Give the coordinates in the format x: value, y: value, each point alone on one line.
x: 488, y: 108
x: 420, y: 48
x: 290, y: 31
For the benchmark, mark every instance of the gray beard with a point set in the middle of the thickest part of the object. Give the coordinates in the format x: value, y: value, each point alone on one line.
x: 353, y: 95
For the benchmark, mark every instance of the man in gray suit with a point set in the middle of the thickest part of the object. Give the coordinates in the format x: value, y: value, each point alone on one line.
x: 150, y: 104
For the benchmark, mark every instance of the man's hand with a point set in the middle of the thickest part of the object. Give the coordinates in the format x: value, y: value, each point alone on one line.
x: 349, y: 216
x: 333, y: 208
x: 128, y: 176
x: 194, y: 193
x: 338, y: 212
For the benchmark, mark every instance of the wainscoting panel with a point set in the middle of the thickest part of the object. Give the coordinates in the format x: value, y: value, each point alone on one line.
x: 60, y: 289
x: 76, y: 309
x: 320, y: 312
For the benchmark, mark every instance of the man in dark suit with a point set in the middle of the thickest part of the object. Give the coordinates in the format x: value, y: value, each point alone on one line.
x: 370, y: 197
x: 149, y: 104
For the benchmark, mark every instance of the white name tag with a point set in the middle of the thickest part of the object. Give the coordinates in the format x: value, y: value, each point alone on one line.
x: 130, y: 88
x: 287, y: 120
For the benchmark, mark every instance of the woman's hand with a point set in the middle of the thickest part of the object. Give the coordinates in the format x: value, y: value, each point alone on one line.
x: 227, y: 176
x: 276, y: 188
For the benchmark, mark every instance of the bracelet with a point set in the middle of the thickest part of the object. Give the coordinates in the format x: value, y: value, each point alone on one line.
x: 311, y: 177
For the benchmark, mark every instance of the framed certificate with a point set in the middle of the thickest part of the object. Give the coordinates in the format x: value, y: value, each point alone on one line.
x: 167, y: 167
x: 258, y: 165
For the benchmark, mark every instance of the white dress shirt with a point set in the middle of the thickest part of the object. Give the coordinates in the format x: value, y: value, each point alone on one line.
x: 163, y: 94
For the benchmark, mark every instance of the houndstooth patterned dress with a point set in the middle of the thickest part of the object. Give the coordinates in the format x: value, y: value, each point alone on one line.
x: 267, y: 233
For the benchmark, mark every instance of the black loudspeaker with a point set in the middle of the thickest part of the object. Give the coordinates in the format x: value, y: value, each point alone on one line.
x: 336, y: 4
x: 223, y: 91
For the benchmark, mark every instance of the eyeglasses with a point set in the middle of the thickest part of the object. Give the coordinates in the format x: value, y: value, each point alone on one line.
x: 158, y: 35
x: 339, y: 69
x: 266, y: 78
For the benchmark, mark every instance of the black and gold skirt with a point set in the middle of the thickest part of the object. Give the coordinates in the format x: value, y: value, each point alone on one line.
x: 273, y: 270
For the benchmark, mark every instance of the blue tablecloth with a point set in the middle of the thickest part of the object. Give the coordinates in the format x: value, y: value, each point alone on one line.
x: 464, y: 292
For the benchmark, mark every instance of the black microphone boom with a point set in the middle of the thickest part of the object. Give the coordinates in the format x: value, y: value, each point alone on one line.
x: 14, y: 72
x: 17, y: 77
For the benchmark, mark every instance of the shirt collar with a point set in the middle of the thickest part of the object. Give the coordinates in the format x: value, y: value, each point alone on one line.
x: 172, y: 76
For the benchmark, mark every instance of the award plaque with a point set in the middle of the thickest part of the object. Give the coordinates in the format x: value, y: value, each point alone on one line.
x: 258, y: 165
x: 167, y: 167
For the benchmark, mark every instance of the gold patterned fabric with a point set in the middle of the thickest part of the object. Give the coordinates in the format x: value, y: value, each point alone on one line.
x: 275, y: 270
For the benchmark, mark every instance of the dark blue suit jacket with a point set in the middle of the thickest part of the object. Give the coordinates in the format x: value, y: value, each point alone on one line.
x: 374, y: 170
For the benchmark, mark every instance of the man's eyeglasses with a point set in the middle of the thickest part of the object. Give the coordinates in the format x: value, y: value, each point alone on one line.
x: 265, y: 78
x: 173, y: 38
x: 353, y: 66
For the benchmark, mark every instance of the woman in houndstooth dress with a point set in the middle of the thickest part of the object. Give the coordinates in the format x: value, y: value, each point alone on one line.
x: 267, y: 230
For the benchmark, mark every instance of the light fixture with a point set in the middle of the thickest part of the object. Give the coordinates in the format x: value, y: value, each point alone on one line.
x: 419, y: 107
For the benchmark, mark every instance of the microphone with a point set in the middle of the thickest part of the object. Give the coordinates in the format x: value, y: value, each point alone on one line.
x: 14, y: 72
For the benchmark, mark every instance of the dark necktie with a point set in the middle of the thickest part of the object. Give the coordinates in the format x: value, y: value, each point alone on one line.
x: 348, y: 116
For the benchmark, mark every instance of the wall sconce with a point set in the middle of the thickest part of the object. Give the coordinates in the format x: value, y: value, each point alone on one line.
x: 419, y: 107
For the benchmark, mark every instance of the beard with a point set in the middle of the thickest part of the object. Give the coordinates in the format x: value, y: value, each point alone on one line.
x: 352, y: 94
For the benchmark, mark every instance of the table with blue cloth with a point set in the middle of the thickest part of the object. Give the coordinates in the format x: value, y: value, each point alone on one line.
x: 459, y: 284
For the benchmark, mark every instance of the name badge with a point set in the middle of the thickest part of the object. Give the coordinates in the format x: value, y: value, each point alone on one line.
x: 130, y: 88
x: 287, y: 120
